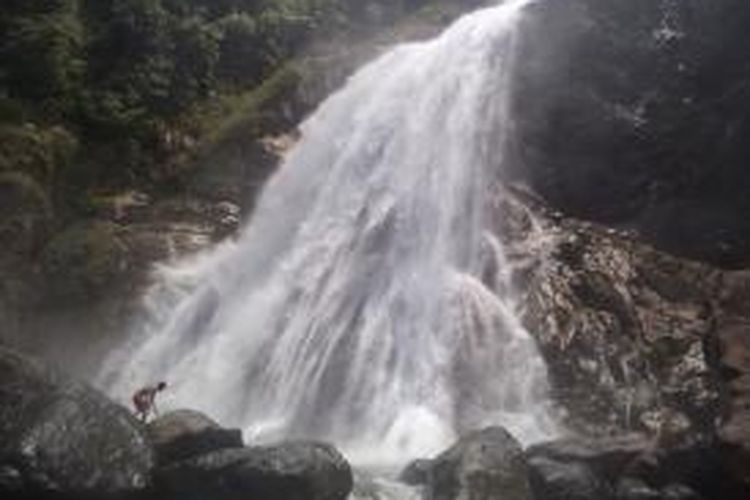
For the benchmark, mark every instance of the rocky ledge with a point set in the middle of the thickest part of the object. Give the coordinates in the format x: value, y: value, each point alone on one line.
x: 635, y: 340
x: 62, y: 439
x: 490, y: 465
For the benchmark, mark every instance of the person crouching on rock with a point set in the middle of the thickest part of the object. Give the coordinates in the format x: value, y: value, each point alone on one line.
x: 144, y: 401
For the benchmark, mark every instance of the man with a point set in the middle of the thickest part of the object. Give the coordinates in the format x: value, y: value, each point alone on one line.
x: 144, y: 401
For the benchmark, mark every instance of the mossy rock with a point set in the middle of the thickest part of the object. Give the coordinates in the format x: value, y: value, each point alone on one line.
x: 25, y: 214
x: 84, y: 260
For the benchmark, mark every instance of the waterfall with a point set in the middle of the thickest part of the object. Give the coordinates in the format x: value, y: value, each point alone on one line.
x: 351, y: 308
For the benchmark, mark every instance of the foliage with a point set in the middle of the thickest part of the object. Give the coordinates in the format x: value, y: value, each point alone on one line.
x: 36, y: 152
x: 98, y: 96
x: 81, y: 261
x: 120, y: 75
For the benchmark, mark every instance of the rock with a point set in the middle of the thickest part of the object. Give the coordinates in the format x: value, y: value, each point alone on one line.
x: 679, y: 492
x: 693, y: 464
x: 58, y: 435
x: 636, y: 340
x: 183, y: 434
x: 630, y: 468
x: 635, y: 489
x: 559, y: 480
x: 624, y: 328
x: 734, y: 358
x: 416, y: 473
x: 11, y: 480
x: 488, y: 464
x: 583, y: 466
x: 288, y: 471
x: 621, y: 80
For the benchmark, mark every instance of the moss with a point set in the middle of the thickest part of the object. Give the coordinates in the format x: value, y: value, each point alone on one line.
x: 82, y: 261
x: 246, y: 112
x: 39, y: 152
x: 25, y: 214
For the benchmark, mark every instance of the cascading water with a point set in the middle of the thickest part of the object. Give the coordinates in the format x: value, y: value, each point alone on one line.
x: 351, y: 308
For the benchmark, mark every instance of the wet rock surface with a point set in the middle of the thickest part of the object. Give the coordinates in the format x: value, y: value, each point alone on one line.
x: 60, y: 439
x: 289, y: 471
x: 416, y: 472
x: 183, y: 434
x: 635, y: 340
x: 487, y: 464
x: 560, y: 479
x: 631, y: 113
x: 733, y: 353
x: 58, y: 435
x: 627, y: 331
x: 630, y: 467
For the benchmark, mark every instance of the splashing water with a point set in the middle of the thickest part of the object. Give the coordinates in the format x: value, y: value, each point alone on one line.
x: 350, y: 309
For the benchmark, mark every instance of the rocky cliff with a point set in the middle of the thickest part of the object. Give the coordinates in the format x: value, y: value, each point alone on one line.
x: 634, y: 114
x: 636, y: 340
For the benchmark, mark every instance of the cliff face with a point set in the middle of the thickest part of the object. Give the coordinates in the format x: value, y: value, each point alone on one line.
x: 626, y: 329
x: 633, y: 114
x: 636, y: 340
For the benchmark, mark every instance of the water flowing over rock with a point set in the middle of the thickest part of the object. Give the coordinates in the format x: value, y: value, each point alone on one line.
x: 635, y: 340
x: 627, y: 331
x: 351, y: 309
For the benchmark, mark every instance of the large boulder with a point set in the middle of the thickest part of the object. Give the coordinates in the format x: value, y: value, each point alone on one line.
x: 485, y: 465
x: 288, y: 471
x: 58, y: 435
x: 183, y: 434
x: 416, y: 472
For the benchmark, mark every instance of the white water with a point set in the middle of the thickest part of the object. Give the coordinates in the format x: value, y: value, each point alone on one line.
x: 350, y: 309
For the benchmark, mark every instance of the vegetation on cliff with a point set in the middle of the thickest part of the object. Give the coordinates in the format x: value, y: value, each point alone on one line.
x: 103, y: 100
x: 102, y: 94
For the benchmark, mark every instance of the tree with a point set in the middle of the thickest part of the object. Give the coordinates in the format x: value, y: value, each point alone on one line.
x: 42, y: 55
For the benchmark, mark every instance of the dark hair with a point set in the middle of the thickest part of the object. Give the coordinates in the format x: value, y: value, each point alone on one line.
x: 161, y: 386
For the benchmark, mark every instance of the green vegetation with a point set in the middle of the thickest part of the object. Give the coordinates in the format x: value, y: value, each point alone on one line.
x: 100, y: 99
x: 104, y: 94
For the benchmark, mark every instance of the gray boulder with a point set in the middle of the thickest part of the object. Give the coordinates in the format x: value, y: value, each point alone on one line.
x: 289, y: 471
x: 184, y: 434
x: 679, y: 492
x: 58, y: 435
x: 485, y: 465
x: 627, y: 468
x: 606, y: 458
x: 560, y: 480
x: 416, y: 472
x: 636, y: 489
